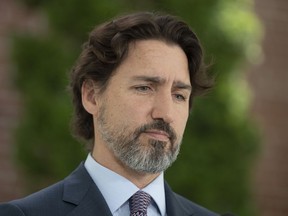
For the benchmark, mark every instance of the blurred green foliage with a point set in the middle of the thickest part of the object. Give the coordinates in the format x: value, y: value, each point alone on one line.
x: 215, y: 163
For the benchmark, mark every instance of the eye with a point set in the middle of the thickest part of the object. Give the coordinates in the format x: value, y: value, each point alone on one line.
x: 143, y: 88
x: 180, y: 97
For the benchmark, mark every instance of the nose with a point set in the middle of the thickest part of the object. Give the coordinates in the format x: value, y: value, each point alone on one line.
x: 163, y: 108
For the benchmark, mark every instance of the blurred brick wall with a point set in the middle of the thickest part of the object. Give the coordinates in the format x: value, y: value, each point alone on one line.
x: 13, y: 17
x: 269, y: 81
x: 9, y: 107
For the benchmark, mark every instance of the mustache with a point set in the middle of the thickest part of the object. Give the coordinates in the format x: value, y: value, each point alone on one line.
x: 158, y: 125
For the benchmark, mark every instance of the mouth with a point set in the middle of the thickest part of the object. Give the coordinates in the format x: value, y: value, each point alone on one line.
x: 158, y: 135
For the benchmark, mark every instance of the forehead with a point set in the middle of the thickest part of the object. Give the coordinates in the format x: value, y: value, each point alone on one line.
x: 155, y: 58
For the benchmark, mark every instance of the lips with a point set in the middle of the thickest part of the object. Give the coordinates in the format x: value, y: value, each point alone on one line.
x: 157, y: 130
x: 158, y: 135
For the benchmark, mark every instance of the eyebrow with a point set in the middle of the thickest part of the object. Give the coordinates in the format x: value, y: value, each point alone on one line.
x: 159, y: 80
x: 182, y: 85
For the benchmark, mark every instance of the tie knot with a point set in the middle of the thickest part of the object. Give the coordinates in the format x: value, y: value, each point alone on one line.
x: 139, y: 203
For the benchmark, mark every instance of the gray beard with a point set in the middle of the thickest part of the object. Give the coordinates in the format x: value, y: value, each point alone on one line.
x: 151, y: 157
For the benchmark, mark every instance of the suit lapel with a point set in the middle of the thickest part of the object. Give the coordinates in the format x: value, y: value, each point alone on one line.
x: 80, y: 190
x: 91, y: 206
x: 173, y: 205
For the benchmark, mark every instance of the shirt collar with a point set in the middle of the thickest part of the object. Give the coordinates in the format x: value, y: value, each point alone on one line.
x: 116, y: 189
x: 157, y: 192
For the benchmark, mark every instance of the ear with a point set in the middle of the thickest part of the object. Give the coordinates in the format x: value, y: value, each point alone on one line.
x: 89, y: 94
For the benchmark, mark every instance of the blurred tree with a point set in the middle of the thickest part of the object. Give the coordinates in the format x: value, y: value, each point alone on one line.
x: 220, y: 141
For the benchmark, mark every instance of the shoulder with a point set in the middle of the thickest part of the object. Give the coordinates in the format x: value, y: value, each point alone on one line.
x: 44, y: 202
x: 190, y: 206
x: 9, y: 209
x: 56, y: 199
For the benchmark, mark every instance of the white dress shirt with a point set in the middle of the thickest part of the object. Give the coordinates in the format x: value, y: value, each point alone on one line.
x: 117, y: 190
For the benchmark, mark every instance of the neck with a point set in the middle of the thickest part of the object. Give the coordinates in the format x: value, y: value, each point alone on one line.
x: 106, y: 158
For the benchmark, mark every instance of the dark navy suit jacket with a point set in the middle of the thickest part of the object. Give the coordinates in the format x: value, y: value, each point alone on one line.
x: 77, y: 195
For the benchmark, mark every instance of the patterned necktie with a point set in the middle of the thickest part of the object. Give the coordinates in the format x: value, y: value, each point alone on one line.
x: 139, y: 203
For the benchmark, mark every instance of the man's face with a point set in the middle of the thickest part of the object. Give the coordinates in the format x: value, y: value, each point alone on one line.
x: 143, y: 112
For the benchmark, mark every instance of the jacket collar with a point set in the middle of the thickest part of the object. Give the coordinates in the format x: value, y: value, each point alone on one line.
x: 80, y: 190
x: 173, y: 205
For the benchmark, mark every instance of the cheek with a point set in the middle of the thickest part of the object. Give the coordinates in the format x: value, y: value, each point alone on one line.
x: 136, y: 114
x: 181, y: 123
x: 130, y: 113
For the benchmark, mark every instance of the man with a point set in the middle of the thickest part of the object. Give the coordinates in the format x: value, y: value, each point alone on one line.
x: 132, y: 86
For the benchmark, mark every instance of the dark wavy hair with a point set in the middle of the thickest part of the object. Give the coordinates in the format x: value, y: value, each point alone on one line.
x: 108, y: 45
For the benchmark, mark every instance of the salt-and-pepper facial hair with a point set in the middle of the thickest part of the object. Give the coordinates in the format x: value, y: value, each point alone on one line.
x: 152, y: 157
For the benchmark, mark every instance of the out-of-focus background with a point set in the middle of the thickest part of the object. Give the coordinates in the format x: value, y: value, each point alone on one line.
x: 234, y: 152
